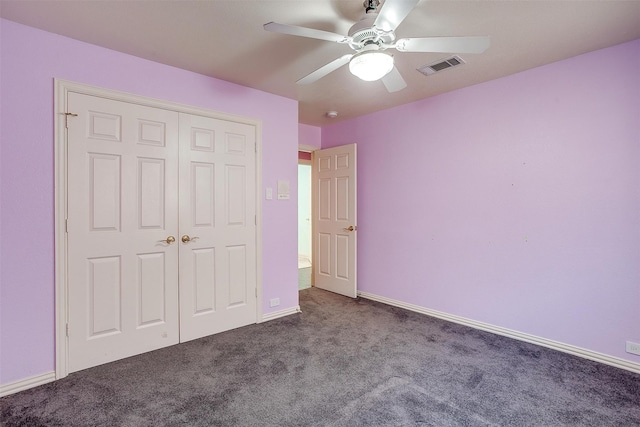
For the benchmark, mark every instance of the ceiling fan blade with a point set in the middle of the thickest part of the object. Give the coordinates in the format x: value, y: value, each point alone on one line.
x: 394, y: 81
x: 444, y: 44
x: 325, y: 69
x: 393, y: 13
x: 305, y: 32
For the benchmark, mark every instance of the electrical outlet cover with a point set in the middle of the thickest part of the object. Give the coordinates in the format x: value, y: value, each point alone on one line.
x: 633, y: 348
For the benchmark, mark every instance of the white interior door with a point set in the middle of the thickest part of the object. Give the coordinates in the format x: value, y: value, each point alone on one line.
x: 161, y: 229
x: 218, y: 277
x: 335, y: 219
x: 122, y: 208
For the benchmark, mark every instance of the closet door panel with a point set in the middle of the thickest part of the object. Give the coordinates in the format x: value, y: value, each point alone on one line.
x: 122, y: 206
x: 217, y: 218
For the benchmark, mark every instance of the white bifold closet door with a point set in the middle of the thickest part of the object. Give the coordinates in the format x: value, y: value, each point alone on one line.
x: 161, y: 228
x: 218, y: 222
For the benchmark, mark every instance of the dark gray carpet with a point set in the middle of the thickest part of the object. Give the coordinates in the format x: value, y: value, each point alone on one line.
x: 342, y: 362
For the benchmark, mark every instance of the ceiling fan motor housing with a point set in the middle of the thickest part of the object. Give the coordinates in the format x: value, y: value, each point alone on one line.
x: 363, y: 32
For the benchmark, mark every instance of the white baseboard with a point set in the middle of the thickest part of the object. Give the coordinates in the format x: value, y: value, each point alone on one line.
x: 544, y: 342
x: 34, y: 381
x: 281, y: 313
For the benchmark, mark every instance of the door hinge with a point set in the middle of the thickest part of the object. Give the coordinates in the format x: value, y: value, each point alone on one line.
x: 67, y: 330
x: 66, y: 225
x: 256, y: 292
x: 255, y: 219
x: 66, y: 118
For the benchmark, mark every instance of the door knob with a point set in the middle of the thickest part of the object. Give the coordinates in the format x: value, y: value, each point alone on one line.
x: 187, y: 239
x: 350, y: 228
x: 169, y: 240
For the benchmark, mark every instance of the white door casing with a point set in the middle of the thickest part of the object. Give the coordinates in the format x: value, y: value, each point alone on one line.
x: 123, y: 275
x: 218, y: 214
x: 335, y: 219
x: 111, y: 169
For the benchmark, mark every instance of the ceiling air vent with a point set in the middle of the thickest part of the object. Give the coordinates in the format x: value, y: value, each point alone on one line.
x: 440, y: 65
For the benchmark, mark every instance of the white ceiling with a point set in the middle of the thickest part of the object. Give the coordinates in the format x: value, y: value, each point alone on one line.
x: 225, y: 40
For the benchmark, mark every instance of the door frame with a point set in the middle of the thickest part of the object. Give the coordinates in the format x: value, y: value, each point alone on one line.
x: 61, y: 91
x: 310, y: 149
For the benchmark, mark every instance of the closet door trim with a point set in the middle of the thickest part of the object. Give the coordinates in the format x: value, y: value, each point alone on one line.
x: 62, y: 115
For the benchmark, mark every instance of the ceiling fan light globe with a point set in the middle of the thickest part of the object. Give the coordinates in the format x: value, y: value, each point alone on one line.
x: 371, y: 65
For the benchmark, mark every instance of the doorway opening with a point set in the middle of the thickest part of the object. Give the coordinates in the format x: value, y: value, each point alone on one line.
x: 305, y: 267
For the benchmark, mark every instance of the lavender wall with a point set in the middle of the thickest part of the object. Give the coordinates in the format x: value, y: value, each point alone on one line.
x: 309, y: 135
x: 514, y: 202
x: 30, y: 60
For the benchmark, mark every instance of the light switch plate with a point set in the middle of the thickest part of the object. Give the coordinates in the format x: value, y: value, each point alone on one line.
x: 283, y: 190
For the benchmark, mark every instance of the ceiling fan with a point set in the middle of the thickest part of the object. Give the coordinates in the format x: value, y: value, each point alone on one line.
x: 372, y: 36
